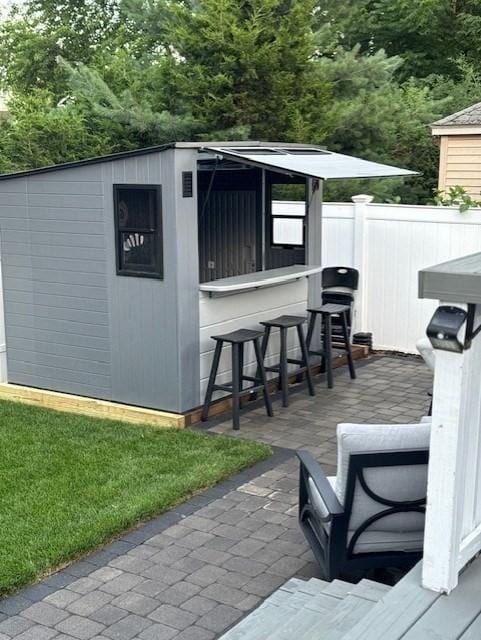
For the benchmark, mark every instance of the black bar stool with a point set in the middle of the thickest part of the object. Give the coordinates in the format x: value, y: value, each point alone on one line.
x: 237, y: 339
x: 284, y: 323
x: 327, y: 313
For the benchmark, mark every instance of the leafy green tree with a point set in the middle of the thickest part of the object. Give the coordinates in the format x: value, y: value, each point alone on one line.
x: 39, y: 133
x: 374, y: 117
x: 428, y: 34
x: 39, y: 32
x: 237, y: 63
x: 99, y: 76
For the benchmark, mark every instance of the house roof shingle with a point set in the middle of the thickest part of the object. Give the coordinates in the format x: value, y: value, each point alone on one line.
x: 469, y: 116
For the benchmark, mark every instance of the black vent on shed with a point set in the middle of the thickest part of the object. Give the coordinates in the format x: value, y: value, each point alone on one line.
x: 187, y: 184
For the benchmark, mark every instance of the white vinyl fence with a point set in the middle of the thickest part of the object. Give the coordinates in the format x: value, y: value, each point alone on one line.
x: 389, y: 244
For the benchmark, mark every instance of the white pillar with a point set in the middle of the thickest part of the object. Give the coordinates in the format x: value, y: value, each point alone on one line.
x: 361, y: 203
x: 453, y: 527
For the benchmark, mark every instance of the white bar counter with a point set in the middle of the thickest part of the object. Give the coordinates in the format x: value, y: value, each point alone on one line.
x: 243, y: 302
x: 259, y: 279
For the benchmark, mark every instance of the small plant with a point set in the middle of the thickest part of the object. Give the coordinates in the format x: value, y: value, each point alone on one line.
x: 394, y: 200
x: 456, y: 196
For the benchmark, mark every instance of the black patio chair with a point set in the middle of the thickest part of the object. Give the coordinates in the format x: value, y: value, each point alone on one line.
x: 339, y: 285
x: 371, y: 516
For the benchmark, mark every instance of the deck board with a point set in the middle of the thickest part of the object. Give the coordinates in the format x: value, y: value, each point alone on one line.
x: 451, y: 615
x: 473, y: 632
x: 397, y: 612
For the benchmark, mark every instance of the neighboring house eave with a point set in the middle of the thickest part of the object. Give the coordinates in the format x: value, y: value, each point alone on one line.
x: 456, y: 130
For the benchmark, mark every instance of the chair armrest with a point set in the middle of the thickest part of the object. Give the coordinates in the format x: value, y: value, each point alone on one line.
x: 312, y: 469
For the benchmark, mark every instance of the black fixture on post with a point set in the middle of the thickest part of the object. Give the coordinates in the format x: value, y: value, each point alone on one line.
x: 445, y: 325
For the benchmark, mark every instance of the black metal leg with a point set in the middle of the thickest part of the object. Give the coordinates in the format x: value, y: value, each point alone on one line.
x: 235, y: 385
x: 263, y: 378
x: 210, y: 384
x: 345, y: 333
x: 265, y: 341
x: 328, y: 350
x: 310, y: 329
x: 324, y: 344
x: 283, y: 377
x: 305, y: 358
x: 241, y: 371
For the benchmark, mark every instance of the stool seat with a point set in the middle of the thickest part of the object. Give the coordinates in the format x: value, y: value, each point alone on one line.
x: 240, y: 336
x: 285, y: 322
x: 330, y: 308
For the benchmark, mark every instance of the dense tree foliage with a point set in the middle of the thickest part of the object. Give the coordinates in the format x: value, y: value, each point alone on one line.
x: 429, y: 34
x: 362, y: 76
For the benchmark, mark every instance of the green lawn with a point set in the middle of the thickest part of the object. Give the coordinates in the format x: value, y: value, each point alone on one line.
x: 68, y: 483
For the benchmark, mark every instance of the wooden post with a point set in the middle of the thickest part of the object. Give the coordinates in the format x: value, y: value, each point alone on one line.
x: 453, y: 533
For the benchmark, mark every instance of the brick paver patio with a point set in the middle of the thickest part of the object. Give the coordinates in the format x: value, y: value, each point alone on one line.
x: 195, y: 571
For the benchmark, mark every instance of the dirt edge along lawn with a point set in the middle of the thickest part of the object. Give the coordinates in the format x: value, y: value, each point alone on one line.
x: 69, y: 483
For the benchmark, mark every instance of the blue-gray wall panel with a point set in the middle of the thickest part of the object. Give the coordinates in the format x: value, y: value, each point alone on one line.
x: 52, y: 232
x: 61, y: 339
x: 143, y: 316
x: 72, y: 323
x: 187, y: 273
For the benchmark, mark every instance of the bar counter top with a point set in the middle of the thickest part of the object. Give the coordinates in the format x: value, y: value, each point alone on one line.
x: 259, y: 279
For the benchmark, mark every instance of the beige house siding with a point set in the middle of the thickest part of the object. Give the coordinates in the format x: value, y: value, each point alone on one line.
x: 460, y: 163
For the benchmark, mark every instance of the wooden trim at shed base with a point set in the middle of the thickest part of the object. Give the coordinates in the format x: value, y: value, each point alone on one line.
x: 90, y: 406
x: 223, y: 405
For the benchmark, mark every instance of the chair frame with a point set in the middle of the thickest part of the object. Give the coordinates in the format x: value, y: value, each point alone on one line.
x: 332, y: 551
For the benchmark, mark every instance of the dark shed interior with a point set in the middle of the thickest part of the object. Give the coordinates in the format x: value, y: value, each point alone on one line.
x: 236, y: 223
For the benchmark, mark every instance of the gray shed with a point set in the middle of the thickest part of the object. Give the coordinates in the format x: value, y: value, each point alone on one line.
x: 118, y: 269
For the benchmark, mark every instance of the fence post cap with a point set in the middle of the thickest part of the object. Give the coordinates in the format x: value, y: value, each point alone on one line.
x: 362, y: 198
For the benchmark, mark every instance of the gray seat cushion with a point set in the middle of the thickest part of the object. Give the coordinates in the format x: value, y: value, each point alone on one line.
x: 427, y: 352
x: 398, y: 483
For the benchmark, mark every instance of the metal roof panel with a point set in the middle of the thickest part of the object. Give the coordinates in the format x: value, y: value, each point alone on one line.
x: 313, y: 162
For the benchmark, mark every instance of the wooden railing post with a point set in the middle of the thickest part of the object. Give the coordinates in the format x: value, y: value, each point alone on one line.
x: 453, y: 512
x: 446, y: 474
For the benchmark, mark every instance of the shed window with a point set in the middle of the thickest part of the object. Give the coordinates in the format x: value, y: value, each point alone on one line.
x: 138, y: 228
x: 288, y: 221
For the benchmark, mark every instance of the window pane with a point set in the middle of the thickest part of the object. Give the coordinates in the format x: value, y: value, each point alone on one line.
x: 288, y: 231
x: 137, y: 251
x: 286, y: 208
x: 136, y: 208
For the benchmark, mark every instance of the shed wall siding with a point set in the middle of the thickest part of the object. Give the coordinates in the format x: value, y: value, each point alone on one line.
x: 219, y: 315
x: 143, y: 310
x: 55, y: 282
x: 460, y: 163
x: 72, y: 324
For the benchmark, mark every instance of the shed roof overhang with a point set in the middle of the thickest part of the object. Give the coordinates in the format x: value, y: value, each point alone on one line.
x: 458, y: 280
x: 308, y: 161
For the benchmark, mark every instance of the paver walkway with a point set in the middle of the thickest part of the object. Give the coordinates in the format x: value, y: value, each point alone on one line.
x: 195, y: 571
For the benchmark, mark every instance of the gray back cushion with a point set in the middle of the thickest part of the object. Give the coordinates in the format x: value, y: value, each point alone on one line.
x: 394, y: 483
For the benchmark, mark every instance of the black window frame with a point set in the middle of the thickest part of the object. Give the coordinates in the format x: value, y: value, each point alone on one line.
x: 156, y: 232
x: 288, y: 245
